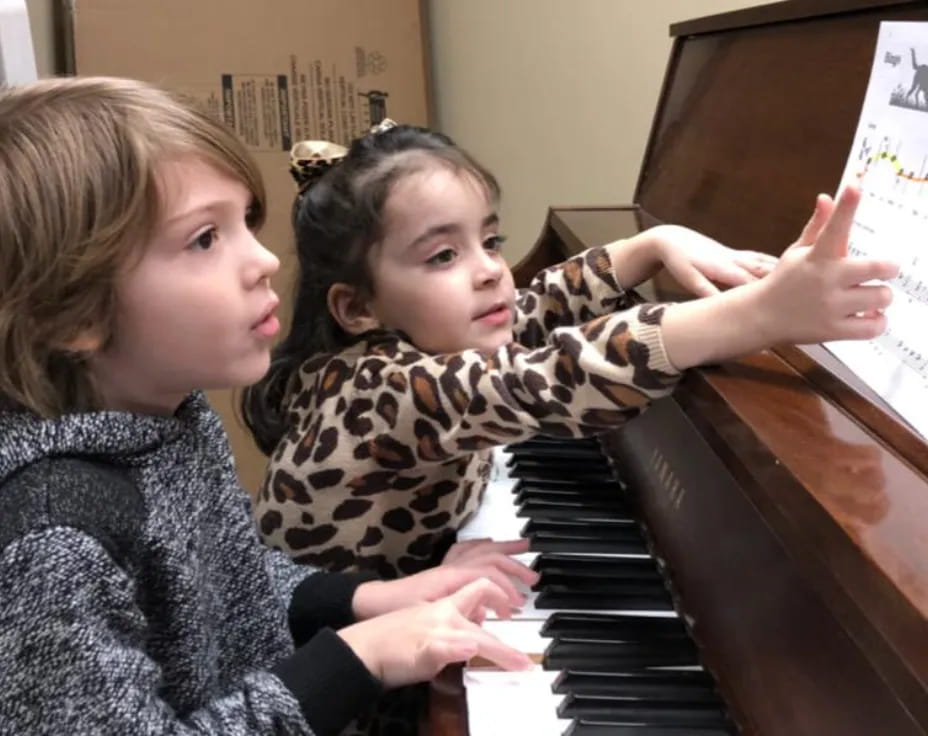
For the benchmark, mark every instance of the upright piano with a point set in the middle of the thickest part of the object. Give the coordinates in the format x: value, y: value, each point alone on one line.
x: 789, y: 503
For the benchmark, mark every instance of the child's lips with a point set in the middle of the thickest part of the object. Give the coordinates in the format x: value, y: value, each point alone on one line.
x: 268, y: 325
x: 496, y: 315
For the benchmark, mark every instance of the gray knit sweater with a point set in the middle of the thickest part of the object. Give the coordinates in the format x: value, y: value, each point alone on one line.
x: 135, y: 597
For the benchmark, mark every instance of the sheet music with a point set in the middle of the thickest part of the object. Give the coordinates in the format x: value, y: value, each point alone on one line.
x: 889, y: 157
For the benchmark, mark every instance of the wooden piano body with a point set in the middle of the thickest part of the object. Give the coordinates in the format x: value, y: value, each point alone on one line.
x: 790, y: 505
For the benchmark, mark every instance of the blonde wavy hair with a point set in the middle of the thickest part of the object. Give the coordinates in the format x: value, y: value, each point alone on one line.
x: 79, y: 198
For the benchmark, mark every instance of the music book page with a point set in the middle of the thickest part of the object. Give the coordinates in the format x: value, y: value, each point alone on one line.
x: 889, y: 157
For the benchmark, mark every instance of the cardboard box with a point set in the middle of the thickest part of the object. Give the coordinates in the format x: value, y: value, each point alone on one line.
x: 277, y: 71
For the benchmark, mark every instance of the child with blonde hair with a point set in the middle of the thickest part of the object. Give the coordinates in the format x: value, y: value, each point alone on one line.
x: 135, y: 595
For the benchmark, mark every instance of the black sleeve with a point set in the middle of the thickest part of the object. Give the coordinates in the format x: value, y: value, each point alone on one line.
x: 323, y: 600
x: 331, y: 684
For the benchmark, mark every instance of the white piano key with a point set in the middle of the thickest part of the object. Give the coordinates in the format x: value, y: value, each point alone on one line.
x: 523, y: 635
x: 495, y: 519
x: 508, y: 703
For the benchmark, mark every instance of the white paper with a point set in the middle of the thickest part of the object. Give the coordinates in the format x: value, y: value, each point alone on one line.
x: 889, y: 157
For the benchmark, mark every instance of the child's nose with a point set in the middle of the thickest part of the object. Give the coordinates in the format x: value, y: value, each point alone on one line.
x: 264, y: 263
x: 490, y: 267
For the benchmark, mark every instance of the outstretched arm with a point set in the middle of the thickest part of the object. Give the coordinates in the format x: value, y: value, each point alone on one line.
x: 600, y: 280
x: 816, y: 293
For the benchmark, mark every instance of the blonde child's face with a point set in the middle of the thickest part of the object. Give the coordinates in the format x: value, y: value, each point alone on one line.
x: 197, y: 310
x: 439, y: 275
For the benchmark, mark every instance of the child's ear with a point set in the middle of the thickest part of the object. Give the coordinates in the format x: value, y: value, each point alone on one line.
x: 353, y: 315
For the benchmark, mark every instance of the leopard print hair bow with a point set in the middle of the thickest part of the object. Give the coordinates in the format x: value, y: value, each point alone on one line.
x: 309, y: 160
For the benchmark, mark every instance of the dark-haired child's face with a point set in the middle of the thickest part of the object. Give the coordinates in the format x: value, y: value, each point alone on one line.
x: 197, y: 311
x: 439, y: 275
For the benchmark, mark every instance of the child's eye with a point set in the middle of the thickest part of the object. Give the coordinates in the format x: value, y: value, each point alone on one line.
x: 444, y: 256
x: 494, y: 242
x: 205, y: 239
x: 252, y: 217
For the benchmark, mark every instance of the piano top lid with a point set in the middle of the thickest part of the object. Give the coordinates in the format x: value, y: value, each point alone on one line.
x: 757, y: 115
x: 775, y: 12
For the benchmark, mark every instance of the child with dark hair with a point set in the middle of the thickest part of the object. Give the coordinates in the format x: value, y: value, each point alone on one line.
x: 410, y: 353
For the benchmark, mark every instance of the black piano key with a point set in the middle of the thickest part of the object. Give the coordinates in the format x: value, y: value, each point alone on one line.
x: 558, y: 454
x: 606, y: 535
x: 681, y: 686
x: 581, y: 509
x: 574, y: 567
x: 603, y: 587
x: 568, y: 488
x: 587, y: 527
x: 547, y: 542
x: 571, y: 600
x: 590, y: 727
x: 548, y: 449
x: 549, y: 475
x: 601, y: 535
x: 612, y: 500
x: 609, y: 626
x: 558, y: 467
x: 553, y: 461
x: 617, y: 656
x: 552, y: 439
x: 596, y: 707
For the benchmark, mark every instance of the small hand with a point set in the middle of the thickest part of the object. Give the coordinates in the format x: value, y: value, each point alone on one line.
x: 413, y: 644
x: 463, y: 563
x: 819, y: 293
x: 816, y: 293
x: 696, y: 261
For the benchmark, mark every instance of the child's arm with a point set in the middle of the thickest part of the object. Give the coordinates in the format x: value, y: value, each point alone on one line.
x: 337, y: 599
x: 74, y: 660
x: 599, y: 280
x: 580, y: 289
x: 816, y: 293
x: 73, y: 652
x: 406, y: 408
x: 694, y: 260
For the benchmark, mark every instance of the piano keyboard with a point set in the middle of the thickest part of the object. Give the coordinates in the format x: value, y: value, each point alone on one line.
x: 616, y: 659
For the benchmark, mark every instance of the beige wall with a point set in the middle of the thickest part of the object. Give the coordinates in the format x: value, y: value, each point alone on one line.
x: 555, y: 97
x: 40, y: 20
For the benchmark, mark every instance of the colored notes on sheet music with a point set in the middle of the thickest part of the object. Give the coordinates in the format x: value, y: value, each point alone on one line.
x: 889, y: 157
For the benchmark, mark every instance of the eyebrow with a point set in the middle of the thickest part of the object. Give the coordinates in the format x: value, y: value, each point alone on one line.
x: 448, y: 229
x: 187, y: 214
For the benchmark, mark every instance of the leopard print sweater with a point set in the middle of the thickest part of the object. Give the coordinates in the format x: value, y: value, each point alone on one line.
x: 388, y: 451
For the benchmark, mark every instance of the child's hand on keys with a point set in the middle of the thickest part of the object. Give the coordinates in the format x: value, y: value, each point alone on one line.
x: 414, y: 644
x: 469, y: 561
